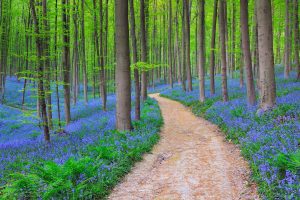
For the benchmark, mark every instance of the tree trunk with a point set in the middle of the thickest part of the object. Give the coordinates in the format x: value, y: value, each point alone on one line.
x: 102, y: 71
x: 201, y: 49
x: 266, y: 57
x: 136, y: 71
x: 212, y: 50
x: 75, y: 53
x: 223, y: 50
x: 143, y: 49
x: 183, y: 65
x: 233, y: 33
x: 187, y: 44
x: 55, y: 64
x: 287, y: 41
x: 83, y: 56
x: 66, y: 58
x: 241, y: 65
x: 247, y: 52
x: 40, y: 76
x: 296, y: 38
x: 170, y: 45
x: 123, y: 115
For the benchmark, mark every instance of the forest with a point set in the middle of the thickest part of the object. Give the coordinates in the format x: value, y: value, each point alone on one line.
x: 149, y: 99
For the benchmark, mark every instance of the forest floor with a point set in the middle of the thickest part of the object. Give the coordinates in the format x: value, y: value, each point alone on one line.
x: 191, y: 161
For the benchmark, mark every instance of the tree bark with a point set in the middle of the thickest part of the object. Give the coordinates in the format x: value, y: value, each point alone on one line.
x: 135, y: 59
x: 201, y: 49
x: 66, y: 58
x: 266, y: 56
x: 123, y: 115
x: 212, y: 50
x: 40, y: 76
x: 102, y: 71
x: 83, y: 56
x: 296, y: 37
x: 187, y: 45
x: 223, y: 50
x: 247, y: 52
x: 287, y: 41
x: 143, y: 49
x: 170, y: 45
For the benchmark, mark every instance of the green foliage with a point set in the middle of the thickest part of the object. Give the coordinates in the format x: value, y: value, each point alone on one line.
x: 290, y: 161
x: 144, y: 67
x: 93, y: 171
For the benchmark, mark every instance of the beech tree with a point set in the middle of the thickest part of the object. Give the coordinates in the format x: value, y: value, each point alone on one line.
x: 246, y: 52
x: 201, y: 47
x: 212, y: 49
x: 66, y: 57
x: 266, y: 57
x: 143, y: 49
x: 223, y: 49
x: 40, y: 69
x: 135, y: 59
x: 123, y: 114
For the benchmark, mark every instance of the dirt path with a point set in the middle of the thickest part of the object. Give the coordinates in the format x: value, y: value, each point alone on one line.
x: 191, y: 161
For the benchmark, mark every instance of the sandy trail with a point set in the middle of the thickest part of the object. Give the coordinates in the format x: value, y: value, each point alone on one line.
x: 191, y: 161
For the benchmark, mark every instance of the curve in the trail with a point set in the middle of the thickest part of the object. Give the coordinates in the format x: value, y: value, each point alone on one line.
x: 191, y: 161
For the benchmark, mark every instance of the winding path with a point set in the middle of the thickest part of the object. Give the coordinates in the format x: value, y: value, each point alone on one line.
x: 191, y: 161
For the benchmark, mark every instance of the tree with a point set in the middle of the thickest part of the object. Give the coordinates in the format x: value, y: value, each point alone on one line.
x: 135, y: 59
x: 266, y: 56
x: 102, y: 72
x: 66, y: 58
x: 84, y: 70
x: 246, y: 52
x: 201, y: 47
x: 46, y: 43
x: 170, y: 45
x: 223, y: 49
x: 212, y: 49
x: 143, y: 49
x: 287, y: 40
x: 40, y: 68
x: 123, y: 114
x: 75, y: 53
x: 296, y: 38
x: 186, y: 28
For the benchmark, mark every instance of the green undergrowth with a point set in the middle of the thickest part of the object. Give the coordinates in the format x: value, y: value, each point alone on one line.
x: 96, y: 169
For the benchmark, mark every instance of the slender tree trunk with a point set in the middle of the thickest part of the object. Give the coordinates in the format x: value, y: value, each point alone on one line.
x: 102, y: 71
x: 201, y: 47
x: 184, y: 58
x: 170, y: 45
x: 134, y: 51
x: 296, y: 38
x: 287, y: 40
x: 241, y: 65
x: 187, y: 44
x: 223, y: 50
x: 123, y: 115
x: 212, y: 49
x: 40, y: 76
x: 83, y: 56
x: 143, y: 49
x: 56, y: 67
x: 233, y: 33
x: 266, y: 56
x: 66, y: 58
x: 75, y: 53
x: 178, y: 52
x: 247, y: 52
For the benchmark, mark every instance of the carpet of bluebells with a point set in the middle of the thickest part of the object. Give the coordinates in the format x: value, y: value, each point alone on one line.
x: 270, y: 141
x: 86, y: 160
